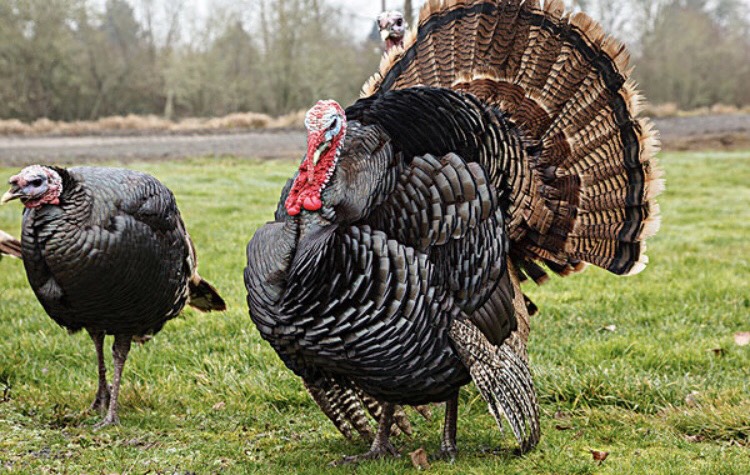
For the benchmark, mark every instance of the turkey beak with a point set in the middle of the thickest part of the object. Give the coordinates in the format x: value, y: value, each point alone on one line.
x: 13, y: 194
x: 385, y: 33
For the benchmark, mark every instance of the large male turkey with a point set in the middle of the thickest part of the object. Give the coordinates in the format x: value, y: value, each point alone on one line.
x: 106, y: 250
x: 503, y: 136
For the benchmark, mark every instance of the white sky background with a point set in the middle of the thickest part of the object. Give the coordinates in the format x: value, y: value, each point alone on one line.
x: 359, y: 14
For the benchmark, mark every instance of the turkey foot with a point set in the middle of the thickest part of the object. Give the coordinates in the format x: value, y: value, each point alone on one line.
x: 120, y: 349
x: 101, y: 401
x: 381, y: 446
x: 383, y: 451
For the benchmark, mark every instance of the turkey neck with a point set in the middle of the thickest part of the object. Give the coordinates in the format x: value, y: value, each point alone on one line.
x: 73, y: 212
x: 309, y: 224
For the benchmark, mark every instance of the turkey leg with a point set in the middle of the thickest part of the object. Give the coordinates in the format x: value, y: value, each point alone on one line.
x: 381, y: 446
x: 448, y: 448
x: 120, y: 349
x: 101, y: 402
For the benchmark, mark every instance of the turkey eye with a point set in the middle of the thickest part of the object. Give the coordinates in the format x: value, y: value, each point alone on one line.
x: 399, y: 22
x: 334, y: 124
x: 37, y: 182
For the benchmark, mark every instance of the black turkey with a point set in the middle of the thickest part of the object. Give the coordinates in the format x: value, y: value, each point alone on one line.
x: 501, y: 136
x: 9, y: 246
x: 106, y: 250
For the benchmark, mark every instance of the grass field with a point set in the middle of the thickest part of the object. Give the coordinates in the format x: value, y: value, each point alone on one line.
x: 207, y: 395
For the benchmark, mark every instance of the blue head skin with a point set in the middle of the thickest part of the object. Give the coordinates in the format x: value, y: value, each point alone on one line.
x: 35, y: 186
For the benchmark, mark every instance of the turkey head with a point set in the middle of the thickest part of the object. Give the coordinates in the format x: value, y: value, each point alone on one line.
x: 326, y: 129
x: 34, y: 186
x: 392, y: 28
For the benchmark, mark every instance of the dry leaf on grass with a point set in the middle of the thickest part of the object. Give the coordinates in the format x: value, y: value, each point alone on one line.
x: 742, y: 338
x: 717, y: 351
x: 599, y: 456
x: 695, y: 438
x: 691, y: 400
x: 419, y: 459
x: 609, y: 328
x: 219, y: 406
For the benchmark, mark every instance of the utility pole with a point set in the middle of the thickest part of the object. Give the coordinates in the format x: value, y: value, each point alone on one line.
x: 408, y: 12
x: 382, y: 2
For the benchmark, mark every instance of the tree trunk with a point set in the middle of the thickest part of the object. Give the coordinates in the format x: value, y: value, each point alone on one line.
x: 408, y: 12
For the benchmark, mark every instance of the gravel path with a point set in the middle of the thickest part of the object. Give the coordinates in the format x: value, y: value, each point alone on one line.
x: 705, y: 125
x: 687, y: 133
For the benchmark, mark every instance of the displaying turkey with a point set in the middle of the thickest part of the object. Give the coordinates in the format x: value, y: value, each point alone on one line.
x: 106, y: 250
x: 9, y: 246
x: 503, y: 137
x: 393, y: 28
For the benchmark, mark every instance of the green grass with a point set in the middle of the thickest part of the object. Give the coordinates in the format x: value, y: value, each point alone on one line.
x: 208, y: 395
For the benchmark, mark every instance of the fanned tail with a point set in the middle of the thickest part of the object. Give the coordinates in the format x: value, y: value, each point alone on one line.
x: 9, y: 246
x: 585, y: 188
x: 204, y: 297
x: 503, y: 380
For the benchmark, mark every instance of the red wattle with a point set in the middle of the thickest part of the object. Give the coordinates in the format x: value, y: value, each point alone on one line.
x: 293, y: 210
x: 312, y: 203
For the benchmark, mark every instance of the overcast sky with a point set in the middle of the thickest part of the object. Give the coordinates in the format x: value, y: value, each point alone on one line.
x: 361, y: 13
x: 364, y: 12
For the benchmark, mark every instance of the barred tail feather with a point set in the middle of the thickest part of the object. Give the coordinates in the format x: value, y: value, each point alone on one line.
x: 585, y: 189
x: 9, y: 245
x: 503, y: 379
x: 343, y: 408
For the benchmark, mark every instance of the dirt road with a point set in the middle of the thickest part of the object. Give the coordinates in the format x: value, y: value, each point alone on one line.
x: 689, y: 133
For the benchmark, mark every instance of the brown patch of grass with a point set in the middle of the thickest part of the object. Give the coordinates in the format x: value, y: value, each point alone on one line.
x: 294, y: 120
x: 151, y: 123
x: 14, y: 127
x: 670, y: 109
x: 721, y: 141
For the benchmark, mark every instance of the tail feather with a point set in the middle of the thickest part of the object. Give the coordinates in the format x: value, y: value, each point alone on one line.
x: 204, y: 297
x: 345, y: 406
x: 400, y: 419
x: 9, y: 245
x: 503, y: 379
x: 342, y: 407
x: 585, y: 188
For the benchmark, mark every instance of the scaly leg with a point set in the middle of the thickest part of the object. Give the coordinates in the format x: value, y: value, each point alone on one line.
x: 101, y: 401
x: 448, y: 448
x: 120, y: 349
x: 381, y: 446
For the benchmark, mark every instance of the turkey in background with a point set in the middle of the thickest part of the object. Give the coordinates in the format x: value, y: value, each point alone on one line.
x: 501, y: 141
x: 393, y: 28
x: 106, y: 250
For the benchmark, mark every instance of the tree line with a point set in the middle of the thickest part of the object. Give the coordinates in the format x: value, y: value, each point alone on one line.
x: 78, y: 60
